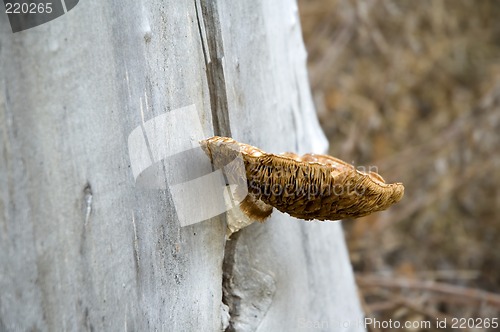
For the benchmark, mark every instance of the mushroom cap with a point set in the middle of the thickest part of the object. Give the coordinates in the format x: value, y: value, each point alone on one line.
x: 308, y: 187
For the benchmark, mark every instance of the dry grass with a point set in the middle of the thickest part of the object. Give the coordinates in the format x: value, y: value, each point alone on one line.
x: 414, y: 88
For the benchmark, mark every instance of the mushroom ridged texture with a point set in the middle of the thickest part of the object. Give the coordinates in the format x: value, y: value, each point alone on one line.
x: 307, y: 187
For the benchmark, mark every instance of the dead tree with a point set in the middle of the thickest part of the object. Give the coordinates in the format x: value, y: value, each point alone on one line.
x: 82, y: 246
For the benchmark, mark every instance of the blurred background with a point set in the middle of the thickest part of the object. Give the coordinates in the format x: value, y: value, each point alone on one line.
x: 413, y: 87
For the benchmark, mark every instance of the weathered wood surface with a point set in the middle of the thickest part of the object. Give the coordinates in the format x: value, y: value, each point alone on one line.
x: 82, y: 247
x: 303, y: 267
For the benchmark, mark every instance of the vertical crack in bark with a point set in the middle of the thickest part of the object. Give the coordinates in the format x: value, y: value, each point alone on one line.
x: 213, y: 49
x: 228, y: 297
x: 248, y: 290
x: 209, y: 27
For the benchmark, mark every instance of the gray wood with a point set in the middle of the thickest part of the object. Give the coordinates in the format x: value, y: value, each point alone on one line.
x: 284, y: 274
x: 82, y: 246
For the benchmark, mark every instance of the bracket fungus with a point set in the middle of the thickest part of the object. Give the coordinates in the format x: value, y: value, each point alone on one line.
x: 307, y: 187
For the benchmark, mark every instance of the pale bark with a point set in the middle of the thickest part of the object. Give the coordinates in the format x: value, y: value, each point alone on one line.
x: 82, y: 247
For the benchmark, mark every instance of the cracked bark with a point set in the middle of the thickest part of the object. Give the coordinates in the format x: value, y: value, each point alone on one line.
x: 274, y: 277
x: 210, y: 34
x: 248, y: 298
x: 82, y: 246
x: 114, y: 255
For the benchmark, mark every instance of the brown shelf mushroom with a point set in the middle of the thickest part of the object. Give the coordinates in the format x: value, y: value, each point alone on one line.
x: 308, y: 187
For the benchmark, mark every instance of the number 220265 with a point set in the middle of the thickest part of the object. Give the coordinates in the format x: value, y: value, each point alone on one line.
x: 28, y: 8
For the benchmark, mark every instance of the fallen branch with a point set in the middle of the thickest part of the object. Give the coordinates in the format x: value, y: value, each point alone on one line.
x: 439, y: 287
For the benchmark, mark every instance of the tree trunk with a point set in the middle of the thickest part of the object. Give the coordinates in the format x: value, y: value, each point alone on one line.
x: 83, y: 246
